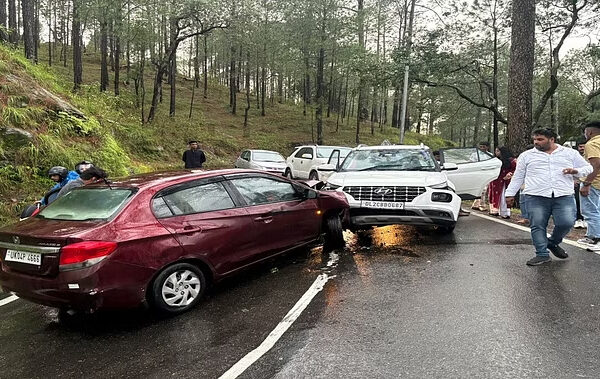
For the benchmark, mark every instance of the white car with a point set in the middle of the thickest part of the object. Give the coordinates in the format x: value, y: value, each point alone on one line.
x: 304, y: 161
x: 264, y: 160
x: 402, y: 184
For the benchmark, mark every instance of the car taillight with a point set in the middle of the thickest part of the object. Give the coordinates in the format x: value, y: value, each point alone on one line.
x: 87, y: 253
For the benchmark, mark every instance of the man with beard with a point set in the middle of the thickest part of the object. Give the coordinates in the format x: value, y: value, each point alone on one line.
x: 548, y: 172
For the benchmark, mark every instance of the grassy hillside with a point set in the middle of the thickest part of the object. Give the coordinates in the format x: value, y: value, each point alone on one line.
x: 44, y: 124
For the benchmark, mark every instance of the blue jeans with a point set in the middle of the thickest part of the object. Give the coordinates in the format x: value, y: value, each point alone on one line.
x: 539, y: 209
x: 590, y: 209
x: 523, y: 205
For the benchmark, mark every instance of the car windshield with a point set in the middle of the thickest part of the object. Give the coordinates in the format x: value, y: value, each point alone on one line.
x: 393, y: 160
x: 325, y: 152
x: 87, y: 204
x: 267, y: 156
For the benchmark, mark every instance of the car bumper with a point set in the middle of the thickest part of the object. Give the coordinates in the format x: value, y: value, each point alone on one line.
x: 85, y: 289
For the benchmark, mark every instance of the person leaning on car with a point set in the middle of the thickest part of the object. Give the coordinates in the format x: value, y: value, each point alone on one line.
x: 548, y: 172
x: 194, y: 157
x: 91, y: 175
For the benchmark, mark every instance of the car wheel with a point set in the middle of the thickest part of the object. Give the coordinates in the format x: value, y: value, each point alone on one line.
x: 178, y: 288
x: 313, y: 175
x: 288, y: 173
x: 445, y: 229
x: 334, y: 238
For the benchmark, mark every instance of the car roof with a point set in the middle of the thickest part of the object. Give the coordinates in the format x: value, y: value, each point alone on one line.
x: 394, y: 147
x: 169, y: 177
x: 263, y: 151
x: 327, y: 146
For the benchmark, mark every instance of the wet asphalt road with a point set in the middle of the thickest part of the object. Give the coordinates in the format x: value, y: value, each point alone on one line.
x: 403, y: 304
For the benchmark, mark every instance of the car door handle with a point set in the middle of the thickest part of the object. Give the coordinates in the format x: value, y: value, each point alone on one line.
x: 489, y: 168
x: 266, y: 219
x: 190, y: 229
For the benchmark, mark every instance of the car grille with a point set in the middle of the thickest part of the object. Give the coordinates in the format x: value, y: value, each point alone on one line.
x: 402, y: 194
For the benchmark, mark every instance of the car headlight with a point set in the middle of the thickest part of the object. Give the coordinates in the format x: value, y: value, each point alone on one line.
x: 331, y: 187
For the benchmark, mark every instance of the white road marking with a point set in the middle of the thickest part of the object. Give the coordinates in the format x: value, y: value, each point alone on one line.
x: 526, y: 229
x: 249, y: 359
x: 9, y: 299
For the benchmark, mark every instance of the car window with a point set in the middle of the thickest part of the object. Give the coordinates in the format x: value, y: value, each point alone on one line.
x: 460, y: 156
x: 84, y: 204
x: 202, y: 198
x: 325, y: 152
x: 259, y: 190
x: 246, y: 155
x: 304, y: 150
x: 267, y: 156
x: 484, y: 155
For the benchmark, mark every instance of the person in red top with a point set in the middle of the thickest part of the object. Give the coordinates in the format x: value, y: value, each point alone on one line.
x: 497, y: 187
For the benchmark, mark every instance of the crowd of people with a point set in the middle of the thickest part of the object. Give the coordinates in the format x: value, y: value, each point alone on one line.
x: 550, y: 180
x: 85, y: 173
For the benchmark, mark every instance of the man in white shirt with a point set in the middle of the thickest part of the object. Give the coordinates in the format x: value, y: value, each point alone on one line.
x: 547, y: 171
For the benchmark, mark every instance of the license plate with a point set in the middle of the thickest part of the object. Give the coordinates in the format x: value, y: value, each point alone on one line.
x: 23, y: 257
x: 382, y: 204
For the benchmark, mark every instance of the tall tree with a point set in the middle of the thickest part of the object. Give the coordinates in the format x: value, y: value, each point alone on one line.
x: 76, y: 41
x: 3, y: 24
x: 520, y: 78
x: 28, y: 9
x: 13, y: 31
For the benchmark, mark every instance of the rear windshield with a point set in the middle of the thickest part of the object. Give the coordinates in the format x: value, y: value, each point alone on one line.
x: 87, y: 204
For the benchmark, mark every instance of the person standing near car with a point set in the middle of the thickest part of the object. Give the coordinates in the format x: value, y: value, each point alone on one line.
x: 547, y: 172
x: 482, y: 203
x: 579, y: 222
x: 194, y: 157
x: 498, y: 186
x: 590, y: 188
x: 91, y: 175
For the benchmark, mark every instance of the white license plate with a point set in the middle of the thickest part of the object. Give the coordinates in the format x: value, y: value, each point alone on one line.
x: 381, y: 204
x: 23, y: 257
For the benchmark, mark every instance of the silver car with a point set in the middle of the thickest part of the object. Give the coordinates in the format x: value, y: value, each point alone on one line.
x: 263, y: 160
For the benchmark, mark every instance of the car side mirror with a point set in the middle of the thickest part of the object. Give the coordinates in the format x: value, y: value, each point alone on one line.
x: 311, y: 194
x: 327, y: 167
x: 306, y: 156
x: 450, y: 166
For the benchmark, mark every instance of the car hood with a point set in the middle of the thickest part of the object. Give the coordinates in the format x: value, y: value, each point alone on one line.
x: 388, y: 178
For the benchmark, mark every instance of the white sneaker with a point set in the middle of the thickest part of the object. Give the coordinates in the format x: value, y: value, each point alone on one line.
x: 578, y: 224
x: 595, y: 247
x: 584, y: 223
x: 586, y: 241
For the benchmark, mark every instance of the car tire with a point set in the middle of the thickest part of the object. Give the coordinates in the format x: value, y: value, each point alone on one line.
x: 313, y: 175
x: 288, y: 173
x: 178, y: 288
x: 334, y: 237
x: 445, y: 229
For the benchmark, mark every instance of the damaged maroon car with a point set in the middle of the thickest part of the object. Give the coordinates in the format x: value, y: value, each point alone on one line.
x: 161, y: 238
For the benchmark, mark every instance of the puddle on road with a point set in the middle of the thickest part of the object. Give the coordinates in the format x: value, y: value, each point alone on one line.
x: 395, y: 240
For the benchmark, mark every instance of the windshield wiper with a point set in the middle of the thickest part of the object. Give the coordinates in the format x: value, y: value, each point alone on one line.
x: 419, y: 169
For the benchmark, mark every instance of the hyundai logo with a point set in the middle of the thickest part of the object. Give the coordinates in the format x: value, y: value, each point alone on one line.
x: 383, y: 191
x: 16, y: 240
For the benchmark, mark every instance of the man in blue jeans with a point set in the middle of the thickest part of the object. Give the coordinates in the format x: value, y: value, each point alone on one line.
x: 590, y: 188
x: 548, y: 172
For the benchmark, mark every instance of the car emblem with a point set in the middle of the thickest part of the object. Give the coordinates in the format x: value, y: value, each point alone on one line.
x: 16, y: 240
x: 383, y: 191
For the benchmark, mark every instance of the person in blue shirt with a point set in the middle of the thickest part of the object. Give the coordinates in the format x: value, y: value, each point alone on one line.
x: 61, y: 176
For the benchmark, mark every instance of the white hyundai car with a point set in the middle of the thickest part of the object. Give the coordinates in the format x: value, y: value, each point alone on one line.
x: 304, y: 160
x: 403, y: 184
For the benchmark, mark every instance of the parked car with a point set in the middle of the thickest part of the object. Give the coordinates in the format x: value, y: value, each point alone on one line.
x: 264, y: 160
x: 304, y: 160
x: 403, y: 184
x: 161, y: 238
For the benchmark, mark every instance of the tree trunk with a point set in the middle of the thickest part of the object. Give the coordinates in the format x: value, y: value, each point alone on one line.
x: 206, y: 66
x: 3, y: 25
x: 13, y: 33
x: 520, y: 78
x: 160, y: 71
x: 197, y: 63
x: 28, y: 10
x: 76, y: 41
x: 117, y: 63
x: 103, y: 54
x: 247, y: 109
x: 173, y: 80
x: 232, y: 81
x: 142, y: 85
x: 50, y: 8
x: 495, y: 86
x: 361, y: 83
x: 320, y: 84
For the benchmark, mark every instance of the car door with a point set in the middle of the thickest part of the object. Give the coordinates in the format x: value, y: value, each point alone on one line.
x: 332, y: 165
x: 243, y: 160
x: 281, y: 211
x: 302, y: 161
x: 208, y: 223
x: 476, y: 168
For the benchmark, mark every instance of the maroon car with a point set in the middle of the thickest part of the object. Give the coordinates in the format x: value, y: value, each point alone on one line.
x: 160, y: 238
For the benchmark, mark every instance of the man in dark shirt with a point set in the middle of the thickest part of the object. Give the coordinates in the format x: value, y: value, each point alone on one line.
x: 194, y: 157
